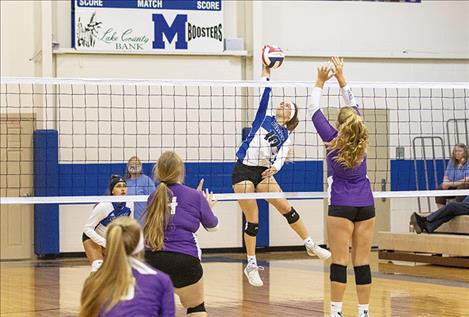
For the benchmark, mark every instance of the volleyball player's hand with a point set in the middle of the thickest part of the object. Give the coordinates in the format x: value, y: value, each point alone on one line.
x: 209, y: 196
x: 201, y: 184
x: 269, y: 172
x: 324, y: 74
x: 338, y: 63
x: 265, y: 71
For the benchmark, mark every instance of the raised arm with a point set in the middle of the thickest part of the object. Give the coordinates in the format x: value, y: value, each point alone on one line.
x: 262, y: 111
x: 207, y: 217
x: 346, y: 91
x: 325, y: 130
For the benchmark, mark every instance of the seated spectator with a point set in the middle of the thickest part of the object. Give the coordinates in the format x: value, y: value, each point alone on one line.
x: 457, y: 173
x: 431, y: 222
x: 138, y: 184
x: 124, y: 285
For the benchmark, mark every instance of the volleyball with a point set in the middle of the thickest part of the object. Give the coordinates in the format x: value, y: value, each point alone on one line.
x: 272, y: 56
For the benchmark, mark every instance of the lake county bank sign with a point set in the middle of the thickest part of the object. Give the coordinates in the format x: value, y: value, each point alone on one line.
x: 148, y: 25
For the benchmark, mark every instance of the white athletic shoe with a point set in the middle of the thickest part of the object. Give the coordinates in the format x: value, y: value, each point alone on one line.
x: 315, y: 249
x: 337, y: 315
x: 364, y: 314
x: 252, y: 273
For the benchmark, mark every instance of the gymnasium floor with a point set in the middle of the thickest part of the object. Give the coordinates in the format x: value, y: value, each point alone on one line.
x: 294, y: 285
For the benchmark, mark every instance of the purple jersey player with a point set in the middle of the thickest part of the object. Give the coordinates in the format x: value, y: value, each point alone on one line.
x: 172, y: 218
x: 351, y: 214
x: 124, y: 285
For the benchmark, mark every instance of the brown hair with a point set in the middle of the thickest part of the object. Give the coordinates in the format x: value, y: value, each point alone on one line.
x: 352, y: 139
x: 169, y: 170
x: 293, y: 122
x: 454, y: 162
x: 104, y: 288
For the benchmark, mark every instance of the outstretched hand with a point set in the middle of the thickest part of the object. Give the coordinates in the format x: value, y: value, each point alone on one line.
x: 208, y: 195
x: 325, y: 72
x: 338, y: 63
x: 210, y: 199
x: 265, y: 71
x: 201, y: 185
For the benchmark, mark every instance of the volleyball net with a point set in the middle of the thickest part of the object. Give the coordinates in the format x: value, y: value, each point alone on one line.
x: 61, y: 139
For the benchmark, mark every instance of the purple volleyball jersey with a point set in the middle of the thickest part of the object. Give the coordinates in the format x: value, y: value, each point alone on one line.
x: 152, y: 296
x: 189, y: 209
x: 347, y: 186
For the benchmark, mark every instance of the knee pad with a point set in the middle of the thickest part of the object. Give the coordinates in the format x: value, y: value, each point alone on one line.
x: 197, y: 309
x: 292, y: 216
x: 338, y: 273
x: 251, y: 229
x: 362, y: 275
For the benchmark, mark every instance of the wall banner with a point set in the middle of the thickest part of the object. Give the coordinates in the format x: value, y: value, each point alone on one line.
x: 148, y: 25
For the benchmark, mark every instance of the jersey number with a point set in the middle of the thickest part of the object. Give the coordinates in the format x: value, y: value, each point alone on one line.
x: 173, y: 205
x: 272, y: 139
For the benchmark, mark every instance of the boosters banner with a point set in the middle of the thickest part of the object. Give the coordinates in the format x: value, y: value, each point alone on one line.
x: 148, y: 25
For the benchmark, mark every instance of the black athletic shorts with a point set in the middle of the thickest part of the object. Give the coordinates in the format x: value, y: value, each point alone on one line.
x: 183, y: 269
x: 243, y: 172
x: 84, y: 237
x: 353, y: 214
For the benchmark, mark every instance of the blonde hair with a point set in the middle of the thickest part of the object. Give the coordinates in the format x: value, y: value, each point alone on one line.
x: 169, y: 170
x: 352, y: 139
x: 104, y: 288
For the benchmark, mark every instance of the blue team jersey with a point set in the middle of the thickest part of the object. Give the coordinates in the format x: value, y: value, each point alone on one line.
x: 268, y: 142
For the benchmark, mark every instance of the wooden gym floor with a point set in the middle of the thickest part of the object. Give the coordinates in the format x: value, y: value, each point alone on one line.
x: 294, y: 285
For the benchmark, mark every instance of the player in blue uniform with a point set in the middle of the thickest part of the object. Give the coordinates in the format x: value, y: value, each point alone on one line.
x: 94, y: 231
x: 260, y: 156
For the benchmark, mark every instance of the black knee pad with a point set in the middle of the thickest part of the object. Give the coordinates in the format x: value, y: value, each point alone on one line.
x: 251, y: 229
x: 292, y: 216
x: 197, y: 309
x: 338, y: 273
x: 362, y: 274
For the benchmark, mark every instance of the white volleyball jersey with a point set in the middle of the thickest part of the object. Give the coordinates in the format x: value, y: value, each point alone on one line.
x: 101, y: 216
x: 268, y: 142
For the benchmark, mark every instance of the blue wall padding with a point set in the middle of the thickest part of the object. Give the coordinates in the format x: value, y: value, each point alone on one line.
x: 46, y: 183
x: 403, y: 174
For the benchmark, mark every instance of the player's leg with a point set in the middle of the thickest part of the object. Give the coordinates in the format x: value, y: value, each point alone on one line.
x: 339, y: 232
x: 292, y: 217
x: 251, y: 214
x: 94, y: 253
x: 361, y: 249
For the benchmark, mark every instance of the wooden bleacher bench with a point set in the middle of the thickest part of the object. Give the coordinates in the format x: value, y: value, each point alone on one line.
x: 458, y: 225
x: 449, y: 246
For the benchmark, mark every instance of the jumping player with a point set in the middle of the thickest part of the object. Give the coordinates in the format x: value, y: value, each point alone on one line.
x: 260, y: 156
x: 351, y: 215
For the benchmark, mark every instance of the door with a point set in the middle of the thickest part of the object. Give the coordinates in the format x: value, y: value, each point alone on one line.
x: 16, y: 179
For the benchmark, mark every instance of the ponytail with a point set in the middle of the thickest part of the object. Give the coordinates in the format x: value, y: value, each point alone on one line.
x: 106, y: 287
x: 157, y: 218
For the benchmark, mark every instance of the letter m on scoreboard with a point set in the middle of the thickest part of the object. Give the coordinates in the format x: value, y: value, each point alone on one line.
x: 177, y: 30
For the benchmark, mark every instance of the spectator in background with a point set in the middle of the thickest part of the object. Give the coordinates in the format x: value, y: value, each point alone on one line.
x: 138, y: 184
x: 456, y: 175
x: 431, y: 222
